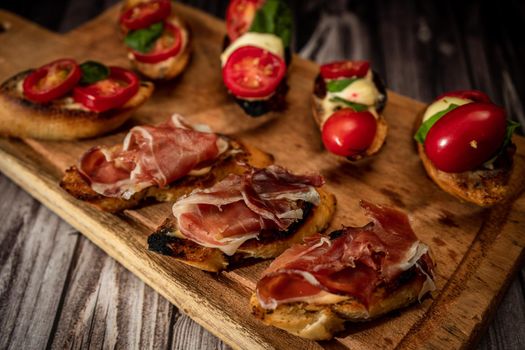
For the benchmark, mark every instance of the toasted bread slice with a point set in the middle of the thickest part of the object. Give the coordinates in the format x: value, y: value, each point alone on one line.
x: 74, y: 183
x: 213, y: 260
x: 322, y: 321
x: 483, y: 187
x: 173, y: 66
x: 320, y: 114
x: 61, y: 119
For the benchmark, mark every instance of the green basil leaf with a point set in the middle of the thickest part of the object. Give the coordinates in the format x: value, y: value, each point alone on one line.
x: 339, y: 84
x: 358, y: 107
x: 275, y: 17
x: 92, y: 72
x: 423, y: 130
x: 511, y: 128
x: 142, y: 40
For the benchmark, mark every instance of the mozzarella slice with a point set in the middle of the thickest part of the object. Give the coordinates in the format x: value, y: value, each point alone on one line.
x: 442, y: 104
x: 265, y: 41
x: 362, y: 91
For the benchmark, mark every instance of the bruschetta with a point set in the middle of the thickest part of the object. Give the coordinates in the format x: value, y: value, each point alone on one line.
x: 354, y: 274
x: 347, y: 105
x: 255, y: 215
x: 465, y: 143
x: 63, y: 100
x: 158, y: 163
x: 158, y: 40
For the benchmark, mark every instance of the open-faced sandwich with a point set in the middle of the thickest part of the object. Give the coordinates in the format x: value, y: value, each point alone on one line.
x: 354, y: 274
x: 63, y: 100
x: 158, y: 41
x: 257, y: 53
x: 465, y: 143
x: 257, y: 214
x: 347, y: 103
x: 159, y: 163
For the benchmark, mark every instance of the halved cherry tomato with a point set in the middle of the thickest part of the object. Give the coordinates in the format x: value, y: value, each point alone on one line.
x: 145, y: 14
x: 473, y: 95
x: 109, y: 93
x: 345, y: 69
x: 348, y: 133
x: 166, y: 46
x: 252, y: 72
x: 466, y: 137
x: 52, y: 80
x: 240, y: 15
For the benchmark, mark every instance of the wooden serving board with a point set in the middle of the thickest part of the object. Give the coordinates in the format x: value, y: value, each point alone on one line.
x: 477, y: 250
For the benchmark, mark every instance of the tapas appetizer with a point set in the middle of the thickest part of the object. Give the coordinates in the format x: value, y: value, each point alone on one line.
x: 158, y: 41
x: 160, y: 163
x: 64, y: 100
x: 353, y: 274
x: 347, y: 103
x: 257, y: 53
x: 257, y: 214
x: 465, y: 143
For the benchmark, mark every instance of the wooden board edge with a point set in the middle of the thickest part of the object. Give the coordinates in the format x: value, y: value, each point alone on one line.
x: 46, y: 191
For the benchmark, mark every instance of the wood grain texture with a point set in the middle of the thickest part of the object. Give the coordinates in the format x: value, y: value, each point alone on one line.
x: 245, y: 277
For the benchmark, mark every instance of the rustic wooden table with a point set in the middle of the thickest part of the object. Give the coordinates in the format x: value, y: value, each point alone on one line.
x: 57, y: 288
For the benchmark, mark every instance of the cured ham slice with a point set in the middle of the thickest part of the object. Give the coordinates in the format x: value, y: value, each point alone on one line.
x: 150, y: 155
x: 353, y: 262
x: 239, y: 207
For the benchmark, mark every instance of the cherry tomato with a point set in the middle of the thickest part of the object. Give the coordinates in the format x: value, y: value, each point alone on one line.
x: 166, y: 46
x: 52, y: 80
x: 253, y: 72
x: 345, y: 69
x: 239, y: 16
x: 466, y: 137
x: 348, y: 133
x: 112, y: 92
x: 145, y: 14
x: 473, y: 95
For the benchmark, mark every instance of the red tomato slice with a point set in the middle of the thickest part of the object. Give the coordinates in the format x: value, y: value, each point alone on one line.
x: 466, y: 137
x: 166, y: 46
x: 345, y: 69
x: 112, y: 92
x: 145, y: 14
x: 348, y: 133
x: 52, y: 80
x: 252, y: 72
x: 474, y: 95
x: 240, y: 15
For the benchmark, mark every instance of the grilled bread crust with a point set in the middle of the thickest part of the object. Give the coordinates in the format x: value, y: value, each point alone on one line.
x: 20, y: 117
x: 211, y: 259
x: 74, y: 183
x: 322, y: 321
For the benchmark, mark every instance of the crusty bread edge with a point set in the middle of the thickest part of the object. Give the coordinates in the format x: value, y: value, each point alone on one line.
x: 321, y: 322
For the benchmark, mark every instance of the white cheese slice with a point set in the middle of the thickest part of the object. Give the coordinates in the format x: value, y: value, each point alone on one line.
x: 362, y: 91
x: 265, y: 41
x: 442, y: 104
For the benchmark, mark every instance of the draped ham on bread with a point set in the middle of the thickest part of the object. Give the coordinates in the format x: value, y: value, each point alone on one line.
x: 239, y: 207
x: 150, y: 155
x: 351, y: 263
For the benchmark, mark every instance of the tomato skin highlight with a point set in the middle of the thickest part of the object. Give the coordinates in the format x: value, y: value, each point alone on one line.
x: 349, y: 133
x: 466, y: 137
x: 344, y: 69
x: 145, y: 14
x: 157, y: 55
x: 108, y: 93
x: 251, y: 72
x: 61, y: 86
x: 240, y: 15
x: 473, y: 95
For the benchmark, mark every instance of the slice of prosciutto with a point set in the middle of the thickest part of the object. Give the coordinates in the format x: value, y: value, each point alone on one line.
x: 239, y: 207
x: 150, y: 156
x: 353, y: 262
